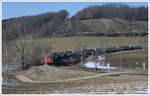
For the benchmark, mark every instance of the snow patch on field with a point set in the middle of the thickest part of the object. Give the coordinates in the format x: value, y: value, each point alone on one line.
x: 109, y: 88
x: 95, y: 65
x: 9, y: 81
x: 98, y: 63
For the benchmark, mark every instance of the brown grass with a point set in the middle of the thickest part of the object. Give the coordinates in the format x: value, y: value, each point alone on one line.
x: 69, y: 43
x: 104, y: 25
x: 82, y: 86
x: 42, y: 73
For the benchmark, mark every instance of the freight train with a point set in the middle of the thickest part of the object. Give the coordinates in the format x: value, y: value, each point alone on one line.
x: 52, y: 57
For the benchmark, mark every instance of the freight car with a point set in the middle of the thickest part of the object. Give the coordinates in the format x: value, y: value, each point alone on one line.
x: 133, y: 47
x: 68, y: 53
x: 61, y: 54
x: 77, y: 53
x: 112, y: 49
x: 88, y: 52
x: 99, y: 51
x: 124, y: 48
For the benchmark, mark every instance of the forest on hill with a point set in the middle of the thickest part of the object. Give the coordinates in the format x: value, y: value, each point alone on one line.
x: 121, y: 11
x: 104, y: 20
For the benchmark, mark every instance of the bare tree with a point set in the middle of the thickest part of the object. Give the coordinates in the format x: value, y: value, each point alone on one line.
x: 21, y: 47
x: 38, y: 53
x: 6, y: 52
x: 5, y: 55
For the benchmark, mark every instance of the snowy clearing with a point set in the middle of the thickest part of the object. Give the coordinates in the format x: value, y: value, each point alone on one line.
x: 95, y: 65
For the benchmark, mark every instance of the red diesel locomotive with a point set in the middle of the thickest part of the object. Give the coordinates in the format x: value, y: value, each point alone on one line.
x: 49, y: 59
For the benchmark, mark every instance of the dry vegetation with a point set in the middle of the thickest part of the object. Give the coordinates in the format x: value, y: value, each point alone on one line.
x: 117, y: 25
x: 96, y: 85
x: 48, y: 30
x: 108, y: 84
x: 42, y: 73
x: 69, y: 43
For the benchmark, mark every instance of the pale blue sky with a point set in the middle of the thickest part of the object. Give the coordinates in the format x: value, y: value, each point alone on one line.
x: 17, y: 9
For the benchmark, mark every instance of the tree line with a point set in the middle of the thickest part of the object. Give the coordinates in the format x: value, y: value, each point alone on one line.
x: 121, y: 11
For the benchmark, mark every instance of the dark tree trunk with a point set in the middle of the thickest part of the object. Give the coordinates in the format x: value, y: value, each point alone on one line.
x: 22, y: 62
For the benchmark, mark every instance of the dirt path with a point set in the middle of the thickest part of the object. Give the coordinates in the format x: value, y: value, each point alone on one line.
x: 26, y: 79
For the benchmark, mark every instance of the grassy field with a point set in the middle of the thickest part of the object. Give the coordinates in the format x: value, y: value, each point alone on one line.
x: 42, y: 73
x: 70, y: 43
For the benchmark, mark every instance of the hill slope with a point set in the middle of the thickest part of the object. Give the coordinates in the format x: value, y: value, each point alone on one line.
x: 115, y: 25
x: 57, y: 24
x: 77, y: 27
